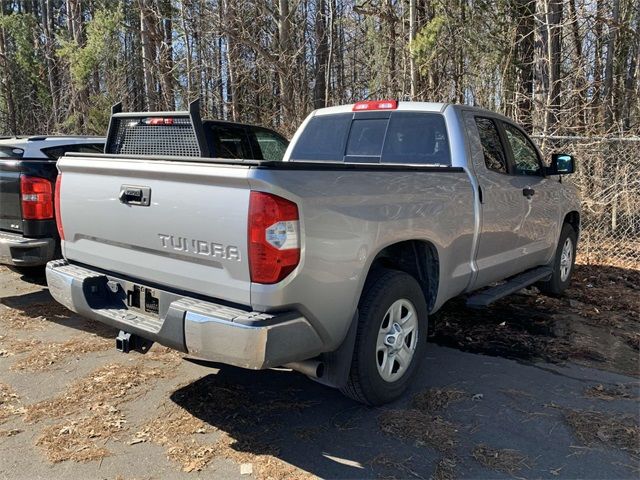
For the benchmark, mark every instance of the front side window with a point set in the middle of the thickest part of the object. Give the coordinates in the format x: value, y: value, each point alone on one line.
x: 272, y: 147
x: 525, y: 156
x: 495, y: 158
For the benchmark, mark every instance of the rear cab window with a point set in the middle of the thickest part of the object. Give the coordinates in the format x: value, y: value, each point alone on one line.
x: 229, y: 141
x: 397, y: 137
x: 56, y: 152
x: 7, y: 151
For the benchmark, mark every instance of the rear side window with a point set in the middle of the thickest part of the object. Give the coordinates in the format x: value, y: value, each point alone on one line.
x: 11, y: 152
x: 323, y: 139
x: 272, y: 146
x: 56, y: 152
x: 392, y: 138
x: 229, y: 141
x: 494, y: 155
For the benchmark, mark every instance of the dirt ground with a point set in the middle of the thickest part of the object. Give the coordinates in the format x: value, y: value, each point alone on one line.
x: 533, y: 387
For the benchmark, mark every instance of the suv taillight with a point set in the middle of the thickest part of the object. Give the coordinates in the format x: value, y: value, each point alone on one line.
x: 57, y: 206
x: 274, y: 237
x: 36, y: 197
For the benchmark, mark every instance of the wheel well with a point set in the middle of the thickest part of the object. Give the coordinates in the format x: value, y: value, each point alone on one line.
x: 418, y: 258
x: 573, y: 219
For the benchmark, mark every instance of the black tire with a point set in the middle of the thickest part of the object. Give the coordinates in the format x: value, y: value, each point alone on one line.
x: 559, y: 280
x: 365, y: 383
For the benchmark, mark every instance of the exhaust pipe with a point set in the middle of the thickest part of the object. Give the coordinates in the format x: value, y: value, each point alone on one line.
x: 311, y: 368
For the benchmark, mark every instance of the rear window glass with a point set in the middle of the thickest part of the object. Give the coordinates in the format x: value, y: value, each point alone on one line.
x: 230, y: 141
x: 416, y: 138
x: 57, y: 152
x: 400, y: 138
x: 323, y: 138
x: 11, y: 152
x: 366, y: 137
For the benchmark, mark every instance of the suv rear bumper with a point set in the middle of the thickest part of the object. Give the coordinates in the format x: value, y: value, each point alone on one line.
x: 25, y: 252
x: 205, y: 330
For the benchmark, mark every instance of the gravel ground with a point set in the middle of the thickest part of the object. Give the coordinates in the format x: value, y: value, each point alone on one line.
x: 532, y: 388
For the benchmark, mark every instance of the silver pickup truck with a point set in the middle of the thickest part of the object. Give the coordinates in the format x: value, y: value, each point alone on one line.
x: 328, y: 262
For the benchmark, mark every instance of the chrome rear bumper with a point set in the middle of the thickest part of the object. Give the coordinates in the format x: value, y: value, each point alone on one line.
x: 206, y: 330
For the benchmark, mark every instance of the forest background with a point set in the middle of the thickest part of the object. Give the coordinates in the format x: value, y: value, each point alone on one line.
x: 567, y: 70
x: 559, y: 67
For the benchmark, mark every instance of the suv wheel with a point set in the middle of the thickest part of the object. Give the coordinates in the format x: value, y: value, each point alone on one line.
x: 563, y: 262
x: 391, y: 338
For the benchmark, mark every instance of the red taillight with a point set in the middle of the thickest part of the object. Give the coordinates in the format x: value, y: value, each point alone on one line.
x: 57, y: 206
x: 274, y: 237
x: 37, y: 198
x: 158, y: 121
x: 375, y: 105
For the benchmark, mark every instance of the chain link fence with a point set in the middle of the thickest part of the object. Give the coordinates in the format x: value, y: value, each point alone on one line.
x: 608, y: 179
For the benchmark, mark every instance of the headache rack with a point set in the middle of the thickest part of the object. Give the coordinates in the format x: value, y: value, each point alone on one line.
x: 157, y: 133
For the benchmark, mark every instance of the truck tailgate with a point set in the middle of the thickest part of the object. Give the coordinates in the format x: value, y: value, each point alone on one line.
x: 192, y: 235
x: 10, y: 211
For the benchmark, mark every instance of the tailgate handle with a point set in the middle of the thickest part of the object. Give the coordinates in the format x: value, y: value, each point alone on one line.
x: 135, y: 195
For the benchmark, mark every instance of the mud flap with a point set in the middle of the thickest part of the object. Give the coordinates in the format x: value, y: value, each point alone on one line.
x: 338, y: 363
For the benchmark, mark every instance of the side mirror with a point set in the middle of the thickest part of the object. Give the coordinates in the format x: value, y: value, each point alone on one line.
x: 561, y: 164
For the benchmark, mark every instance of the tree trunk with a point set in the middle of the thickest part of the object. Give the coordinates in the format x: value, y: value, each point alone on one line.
x: 609, y: 100
x: 320, y: 85
x: 284, y: 52
x: 412, y: 36
x: 148, y: 57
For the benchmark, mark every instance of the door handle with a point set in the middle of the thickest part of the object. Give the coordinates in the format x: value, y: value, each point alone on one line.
x: 528, y: 192
x: 135, y: 195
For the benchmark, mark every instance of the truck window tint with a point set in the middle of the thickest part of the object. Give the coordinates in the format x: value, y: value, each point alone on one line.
x: 416, y: 138
x: 11, y: 152
x: 323, y: 138
x: 494, y: 155
x: 229, y: 141
x: 271, y: 146
x: 56, y: 152
x: 366, y: 137
x: 525, y: 156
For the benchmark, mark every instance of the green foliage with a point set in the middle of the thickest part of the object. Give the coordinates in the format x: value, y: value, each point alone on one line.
x: 20, y: 29
x: 101, y: 47
x: 99, y: 114
x: 424, y: 47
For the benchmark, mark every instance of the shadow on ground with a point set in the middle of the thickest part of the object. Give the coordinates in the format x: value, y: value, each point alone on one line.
x: 39, y: 306
x: 499, y: 404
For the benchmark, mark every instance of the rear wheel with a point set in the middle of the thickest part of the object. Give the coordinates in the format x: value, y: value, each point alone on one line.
x: 391, y: 338
x: 563, y: 262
